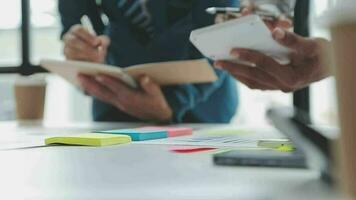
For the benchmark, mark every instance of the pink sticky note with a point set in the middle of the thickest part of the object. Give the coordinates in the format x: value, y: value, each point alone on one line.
x: 171, y: 131
x: 190, y: 149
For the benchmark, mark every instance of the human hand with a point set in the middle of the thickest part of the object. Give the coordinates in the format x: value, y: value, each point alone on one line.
x: 306, y: 65
x: 249, y: 8
x: 148, y: 103
x: 79, y: 44
x: 282, y: 21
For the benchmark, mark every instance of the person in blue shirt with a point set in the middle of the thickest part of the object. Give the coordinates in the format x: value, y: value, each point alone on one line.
x: 144, y: 31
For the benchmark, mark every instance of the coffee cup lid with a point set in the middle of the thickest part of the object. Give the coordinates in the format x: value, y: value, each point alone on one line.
x: 342, y: 13
x: 30, y: 80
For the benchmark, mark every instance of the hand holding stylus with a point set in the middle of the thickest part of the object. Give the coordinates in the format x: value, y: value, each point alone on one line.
x: 81, y: 43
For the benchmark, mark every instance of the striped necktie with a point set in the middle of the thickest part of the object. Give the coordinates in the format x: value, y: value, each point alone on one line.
x: 137, y: 14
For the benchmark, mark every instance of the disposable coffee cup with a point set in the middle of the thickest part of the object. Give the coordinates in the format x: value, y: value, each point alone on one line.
x: 30, y: 95
x: 341, y: 20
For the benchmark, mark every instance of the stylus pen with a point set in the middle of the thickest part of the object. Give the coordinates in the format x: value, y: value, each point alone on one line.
x: 86, y: 23
x: 225, y: 10
x: 222, y: 10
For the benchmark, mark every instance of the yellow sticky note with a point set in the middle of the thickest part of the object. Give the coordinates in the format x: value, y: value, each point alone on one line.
x: 89, y: 139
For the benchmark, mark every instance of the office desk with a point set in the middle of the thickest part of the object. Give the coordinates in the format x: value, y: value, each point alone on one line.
x: 133, y: 172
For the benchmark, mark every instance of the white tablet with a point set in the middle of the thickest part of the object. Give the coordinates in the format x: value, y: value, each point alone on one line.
x: 250, y: 32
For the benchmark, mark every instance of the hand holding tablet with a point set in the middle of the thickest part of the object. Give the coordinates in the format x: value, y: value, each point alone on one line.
x: 281, y: 60
x: 249, y: 32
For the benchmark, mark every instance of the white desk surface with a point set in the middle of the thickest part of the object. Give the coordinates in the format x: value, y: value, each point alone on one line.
x: 134, y: 172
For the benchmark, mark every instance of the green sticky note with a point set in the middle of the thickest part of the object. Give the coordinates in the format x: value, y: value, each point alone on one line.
x: 89, y: 139
x: 274, y: 143
x: 286, y: 148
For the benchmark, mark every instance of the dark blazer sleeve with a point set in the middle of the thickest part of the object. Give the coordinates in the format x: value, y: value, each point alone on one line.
x: 71, y: 12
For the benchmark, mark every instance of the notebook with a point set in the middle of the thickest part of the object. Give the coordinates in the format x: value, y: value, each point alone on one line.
x: 163, y: 73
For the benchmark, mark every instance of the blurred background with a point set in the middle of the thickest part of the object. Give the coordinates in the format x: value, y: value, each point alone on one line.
x: 64, y: 103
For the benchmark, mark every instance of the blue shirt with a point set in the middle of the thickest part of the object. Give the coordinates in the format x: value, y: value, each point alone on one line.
x: 173, y: 20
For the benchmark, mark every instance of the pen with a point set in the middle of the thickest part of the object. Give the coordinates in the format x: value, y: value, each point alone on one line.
x: 266, y: 15
x: 222, y: 10
x: 85, y: 21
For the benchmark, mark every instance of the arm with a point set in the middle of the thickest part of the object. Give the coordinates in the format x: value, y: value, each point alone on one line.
x: 185, y: 97
x: 72, y: 11
x: 308, y: 64
x: 79, y: 44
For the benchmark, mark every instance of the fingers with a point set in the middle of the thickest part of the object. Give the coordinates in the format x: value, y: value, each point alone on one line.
x: 74, y: 53
x: 80, y: 32
x: 78, y: 49
x: 104, y: 44
x: 149, y: 86
x: 295, y: 42
x: 104, y: 41
x: 247, y: 10
x: 115, y: 85
x: 284, y: 22
x: 74, y: 42
x: 257, y: 58
x: 94, y: 88
x: 146, y: 104
x: 253, y: 77
x: 284, y: 74
x: 82, y: 45
x: 248, y: 7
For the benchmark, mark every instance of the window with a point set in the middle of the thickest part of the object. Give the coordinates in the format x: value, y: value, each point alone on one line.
x: 25, y: 41
x: 254, y: 104
x: 10, y: 18
x: 45, y: 30
x: 43, y: 42
x: 323, y: 94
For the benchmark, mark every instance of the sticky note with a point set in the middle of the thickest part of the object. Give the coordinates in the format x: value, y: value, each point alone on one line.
x: 286, y: 148
x: 171, y: 131
x: 139, y: 134
x: 89, y: 139
x: 188, y: 150
x: 274, y: 143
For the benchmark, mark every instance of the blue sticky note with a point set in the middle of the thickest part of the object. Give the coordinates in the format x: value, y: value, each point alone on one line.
x: 139, y: 134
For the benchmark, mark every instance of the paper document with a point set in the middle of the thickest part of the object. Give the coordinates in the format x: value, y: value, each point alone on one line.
x: 219, y: 138
x: 19, y: 142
